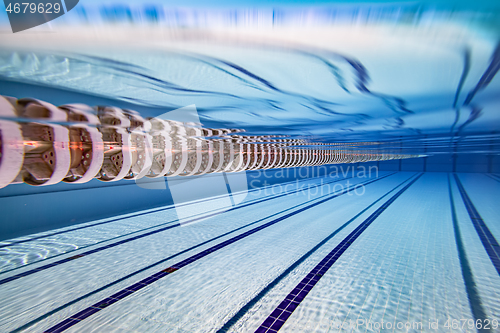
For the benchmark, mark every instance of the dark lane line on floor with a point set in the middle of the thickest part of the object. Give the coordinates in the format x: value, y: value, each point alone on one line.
x: 278, y: 317
x: 475, y: 303
x: 251, y: 202
x: 490, y: 244
x: 234, y: 319
x: 62, y: 307
x: 494, y: 177
x: 76, y: 318
x: 170, y: 225
x: 137, y: 214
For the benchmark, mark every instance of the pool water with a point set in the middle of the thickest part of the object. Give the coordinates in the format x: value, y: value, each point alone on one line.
x: 410, y: 247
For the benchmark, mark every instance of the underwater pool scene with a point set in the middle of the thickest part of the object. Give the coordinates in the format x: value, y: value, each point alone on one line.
x: 252, y: 166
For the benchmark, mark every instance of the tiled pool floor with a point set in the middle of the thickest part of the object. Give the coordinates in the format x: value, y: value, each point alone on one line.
x: 407, y: 252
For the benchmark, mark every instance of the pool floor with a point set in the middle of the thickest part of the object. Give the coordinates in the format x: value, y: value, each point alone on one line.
x: 396, y: 252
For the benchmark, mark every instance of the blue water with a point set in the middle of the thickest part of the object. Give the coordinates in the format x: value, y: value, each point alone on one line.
x: 301, y: 251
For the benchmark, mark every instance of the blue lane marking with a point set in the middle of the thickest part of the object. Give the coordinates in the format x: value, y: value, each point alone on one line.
x: 69, y: 322
x: 62, y: 261
x: 129, y: 216
x: 490, y: 244
x: 473, y: 296
x: 296, y: 264
x: 278, y: 317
